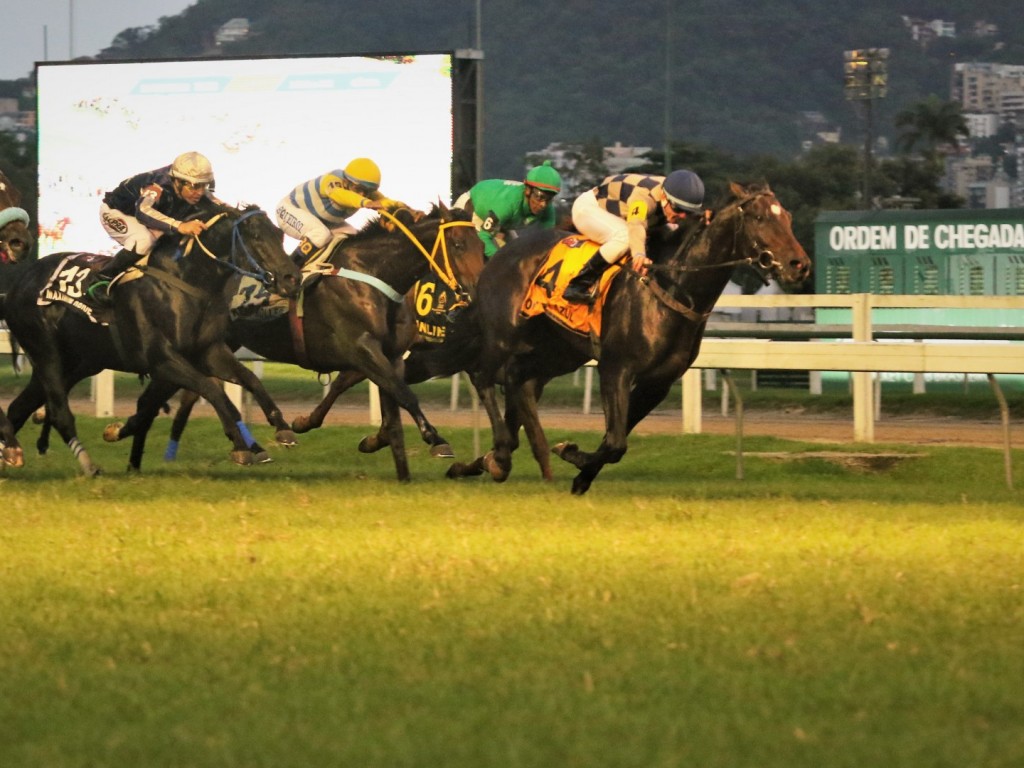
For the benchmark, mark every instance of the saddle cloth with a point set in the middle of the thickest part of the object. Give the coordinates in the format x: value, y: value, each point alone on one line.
x: 70, y: 280
x: 544, y: 296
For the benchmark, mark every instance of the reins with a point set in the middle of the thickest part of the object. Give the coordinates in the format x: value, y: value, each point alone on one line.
x: 237, y: 241
x: 447, y: 275
x: 764, y: 259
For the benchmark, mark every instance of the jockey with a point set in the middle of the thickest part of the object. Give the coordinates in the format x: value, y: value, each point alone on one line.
x: 498, y: 206
x: 316, y: 212
x: 618, y: 212
x: 143, y: 207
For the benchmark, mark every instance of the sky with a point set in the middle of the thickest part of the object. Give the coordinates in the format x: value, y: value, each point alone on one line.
x: 37, y: 30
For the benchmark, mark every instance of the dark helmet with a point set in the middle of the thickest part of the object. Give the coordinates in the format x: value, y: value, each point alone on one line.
x: 685, y: 191
x: 545, y: 178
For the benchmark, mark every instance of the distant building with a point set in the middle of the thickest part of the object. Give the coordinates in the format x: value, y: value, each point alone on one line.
x: 232, y: 31
x: 925, y: 31
x: 985, y: 87
x: 981, y: 125
x: 618, y: 158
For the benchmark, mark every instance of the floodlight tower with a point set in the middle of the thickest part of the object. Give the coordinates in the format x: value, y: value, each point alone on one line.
x: 866, y: 78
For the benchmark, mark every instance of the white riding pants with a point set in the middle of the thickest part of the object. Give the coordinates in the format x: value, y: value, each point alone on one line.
x: 128, y: 231
x: 299, y: 223
x: 602, y: 227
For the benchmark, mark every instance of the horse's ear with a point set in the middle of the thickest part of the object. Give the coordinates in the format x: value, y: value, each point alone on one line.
x: 738, y: 190
x: 443, y: 209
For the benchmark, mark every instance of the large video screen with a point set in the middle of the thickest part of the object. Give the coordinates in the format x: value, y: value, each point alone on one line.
x: 266, y: 125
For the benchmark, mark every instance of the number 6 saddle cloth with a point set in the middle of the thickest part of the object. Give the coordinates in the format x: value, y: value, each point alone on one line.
x: 544, y: 296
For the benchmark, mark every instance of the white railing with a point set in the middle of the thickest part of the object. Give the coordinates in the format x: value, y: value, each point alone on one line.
x: 861, y: 348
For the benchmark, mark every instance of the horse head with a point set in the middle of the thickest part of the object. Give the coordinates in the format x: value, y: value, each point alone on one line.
x: 764, y: 235
x: 16, y: 240
x: 249, y: 243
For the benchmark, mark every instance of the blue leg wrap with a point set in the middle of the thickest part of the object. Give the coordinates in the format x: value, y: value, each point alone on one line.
x: 246, y: 434
x: 172, y: 450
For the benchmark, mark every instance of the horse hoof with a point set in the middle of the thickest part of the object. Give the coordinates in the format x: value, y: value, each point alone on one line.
x: 39, y: 416
x: 372, y: 444
x: 14, y: 457
x: 498, y: 473
x: 580, y: 486
x: 301, y: 424
x: 244, y: 458
x: 442, y: 451
x: 560, y: 448
x: 112, y: 432
x: 285, y: 437
x: 262, y: 457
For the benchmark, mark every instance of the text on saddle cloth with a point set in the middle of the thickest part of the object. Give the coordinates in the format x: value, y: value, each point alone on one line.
x: 544, y: 296
x: 432, y: 303
x: 69, y: 282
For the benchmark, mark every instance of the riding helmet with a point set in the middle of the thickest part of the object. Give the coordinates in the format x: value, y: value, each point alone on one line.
x: 193, y: 167
x: 545, y: 178
x: 685, y: 191
x: 364, y: 172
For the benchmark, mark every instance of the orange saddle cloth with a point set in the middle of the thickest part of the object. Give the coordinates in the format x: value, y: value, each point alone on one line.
x: 563, y: 263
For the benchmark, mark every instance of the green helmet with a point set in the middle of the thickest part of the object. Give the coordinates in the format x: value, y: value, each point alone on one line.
x: 545, y: 178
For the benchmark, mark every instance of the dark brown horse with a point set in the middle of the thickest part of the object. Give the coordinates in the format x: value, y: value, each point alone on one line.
x: 16, y: 239
x: 355, y: 322
x: 170, y: 324
x: 650, y: 333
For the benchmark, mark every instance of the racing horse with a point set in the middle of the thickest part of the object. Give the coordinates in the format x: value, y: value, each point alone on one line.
x: 171, y: 324
x: 650, y: 332
x: 354, y: 321
x: 16, y: 240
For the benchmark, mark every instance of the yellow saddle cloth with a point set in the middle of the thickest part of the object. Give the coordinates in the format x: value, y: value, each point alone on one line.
x: 563, y: 263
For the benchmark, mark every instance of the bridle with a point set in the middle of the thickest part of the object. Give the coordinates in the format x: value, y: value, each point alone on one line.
x: 762, y: 259
x: 438, y: 258
x: 237, y: 243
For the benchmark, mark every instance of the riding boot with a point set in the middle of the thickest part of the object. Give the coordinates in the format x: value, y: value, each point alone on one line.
x: 304, y: 252
x: 580, y: 289
x: 102, y: 278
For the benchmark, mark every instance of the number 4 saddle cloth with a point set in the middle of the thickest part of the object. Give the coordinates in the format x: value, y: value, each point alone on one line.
x: 544, y: 296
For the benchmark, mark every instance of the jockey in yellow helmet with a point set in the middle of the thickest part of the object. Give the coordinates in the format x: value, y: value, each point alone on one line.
x: 316, y: 212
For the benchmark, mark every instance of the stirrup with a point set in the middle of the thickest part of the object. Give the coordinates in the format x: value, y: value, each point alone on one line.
x: 100, y: 291
x: 580, y: 295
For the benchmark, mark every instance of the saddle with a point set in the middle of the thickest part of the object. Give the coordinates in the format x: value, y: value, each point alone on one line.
x: 544, y: 296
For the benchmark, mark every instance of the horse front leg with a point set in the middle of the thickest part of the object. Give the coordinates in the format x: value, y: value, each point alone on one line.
x: 387, y: 375
x: 498, y: 461
x: 223, y: 364
x: 615, y: 397
x: 178, y: 371
x: 526, y: 412
x: 391, y: 428
x: 186, y: 403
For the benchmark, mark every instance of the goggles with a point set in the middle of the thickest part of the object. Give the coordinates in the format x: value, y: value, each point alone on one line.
x: 196, y: 186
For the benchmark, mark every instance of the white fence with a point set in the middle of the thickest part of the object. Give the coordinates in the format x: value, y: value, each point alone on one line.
x: 861, y: 348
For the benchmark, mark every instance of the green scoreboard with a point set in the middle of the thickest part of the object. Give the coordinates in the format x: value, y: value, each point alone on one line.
x: 937, y: 252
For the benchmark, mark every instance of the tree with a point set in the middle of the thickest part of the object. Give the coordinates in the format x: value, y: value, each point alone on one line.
x: 931, y: 124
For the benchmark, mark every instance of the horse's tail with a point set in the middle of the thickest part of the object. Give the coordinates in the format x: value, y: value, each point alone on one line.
x: 459, y: 351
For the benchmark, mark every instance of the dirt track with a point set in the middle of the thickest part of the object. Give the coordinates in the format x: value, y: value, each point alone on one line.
x: 796, y: 426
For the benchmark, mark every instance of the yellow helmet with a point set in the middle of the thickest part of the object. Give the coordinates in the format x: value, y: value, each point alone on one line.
x: 364, y: 172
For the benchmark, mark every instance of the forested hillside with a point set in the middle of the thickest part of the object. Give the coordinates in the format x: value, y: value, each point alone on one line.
x: 740, y: 73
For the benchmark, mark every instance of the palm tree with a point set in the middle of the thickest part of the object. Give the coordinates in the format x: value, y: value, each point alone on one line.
x: 931, y: 124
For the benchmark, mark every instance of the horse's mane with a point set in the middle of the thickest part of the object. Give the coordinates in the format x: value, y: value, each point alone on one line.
x: 380, y: 226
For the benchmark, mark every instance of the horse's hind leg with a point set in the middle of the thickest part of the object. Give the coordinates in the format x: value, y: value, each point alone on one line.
x: 525, y: 412
x: 11, y: 453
